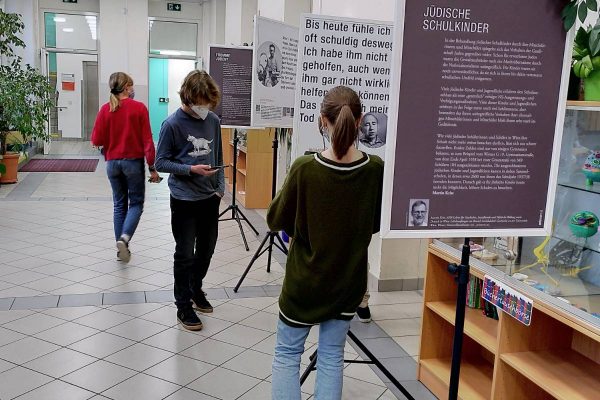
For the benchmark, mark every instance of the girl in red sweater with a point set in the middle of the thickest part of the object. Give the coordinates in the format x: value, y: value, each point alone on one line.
x: 122, y: 128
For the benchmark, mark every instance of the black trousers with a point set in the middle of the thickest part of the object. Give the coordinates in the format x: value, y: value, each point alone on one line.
x: 195, y: 229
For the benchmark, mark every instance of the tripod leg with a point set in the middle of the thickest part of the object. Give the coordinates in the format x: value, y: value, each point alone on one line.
x: 283, y: 247
x: 237, y: 219
x: 225, y: 211
x: 271, y: 241
x: 256, y: 255
x: 311, y: 367
x: 248, y: 222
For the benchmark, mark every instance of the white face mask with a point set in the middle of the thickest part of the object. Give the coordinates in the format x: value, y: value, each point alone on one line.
x: 200, y: 111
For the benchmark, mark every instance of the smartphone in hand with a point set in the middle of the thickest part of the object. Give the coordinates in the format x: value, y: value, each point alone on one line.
x: 214, y: 167
x: 160, y: 178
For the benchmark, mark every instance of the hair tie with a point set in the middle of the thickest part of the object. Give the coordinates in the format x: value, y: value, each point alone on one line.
x: 116, y: 91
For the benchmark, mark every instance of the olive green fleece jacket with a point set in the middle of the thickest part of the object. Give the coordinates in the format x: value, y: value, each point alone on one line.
x: 331, y: 210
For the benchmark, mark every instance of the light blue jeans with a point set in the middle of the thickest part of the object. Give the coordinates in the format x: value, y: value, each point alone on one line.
x: 127, y: 179
x: 330, y: 360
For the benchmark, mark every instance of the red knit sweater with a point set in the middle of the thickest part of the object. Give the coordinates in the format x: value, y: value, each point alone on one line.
x: 124, y: 133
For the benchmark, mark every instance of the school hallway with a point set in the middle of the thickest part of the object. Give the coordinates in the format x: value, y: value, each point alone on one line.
x: 75, y: 323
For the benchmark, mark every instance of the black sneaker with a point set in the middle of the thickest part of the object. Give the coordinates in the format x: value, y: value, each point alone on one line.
x: 363, y: 314
x: 123, y: 253
x: 188, y: 318
x: 201, y: 304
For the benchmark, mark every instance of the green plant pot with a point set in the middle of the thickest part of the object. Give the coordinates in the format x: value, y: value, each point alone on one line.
x: 591, y: 87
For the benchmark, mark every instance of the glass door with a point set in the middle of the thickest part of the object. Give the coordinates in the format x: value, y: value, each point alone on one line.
x: 70, y: 61
x: 172, y: 55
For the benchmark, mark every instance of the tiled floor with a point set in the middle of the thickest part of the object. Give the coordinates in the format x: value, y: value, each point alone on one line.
x: 77, y: 324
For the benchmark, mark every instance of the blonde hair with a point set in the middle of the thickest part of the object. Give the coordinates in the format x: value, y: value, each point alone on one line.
x: 199, y: 86
x: 341, y: 106
x: 117, y: 82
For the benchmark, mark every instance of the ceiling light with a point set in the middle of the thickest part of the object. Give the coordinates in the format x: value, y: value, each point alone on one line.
x: 68, y: 30
x: 170, y: 52
x: 59, y: 19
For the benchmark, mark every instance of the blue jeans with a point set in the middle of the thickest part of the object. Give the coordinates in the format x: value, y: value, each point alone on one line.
x: 330, y: 360
x: 127, y: 179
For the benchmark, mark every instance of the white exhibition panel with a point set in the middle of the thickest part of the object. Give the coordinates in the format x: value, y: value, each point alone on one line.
x: 274, y: 75
x: 335, y: 51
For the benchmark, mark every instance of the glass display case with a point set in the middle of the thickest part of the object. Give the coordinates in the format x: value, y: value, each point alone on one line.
x: 565, y: 264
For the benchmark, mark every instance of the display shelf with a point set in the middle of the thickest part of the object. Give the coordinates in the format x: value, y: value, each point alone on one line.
x: 475, y: 377
x: 583, y: 105
x: 564, y: 374
x: 253, y: 167
x: 477, y: 326
x: 581, y: 186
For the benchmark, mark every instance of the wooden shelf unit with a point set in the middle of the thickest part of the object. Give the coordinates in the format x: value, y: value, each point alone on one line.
x: 556, y: 357
x: 254, y: 169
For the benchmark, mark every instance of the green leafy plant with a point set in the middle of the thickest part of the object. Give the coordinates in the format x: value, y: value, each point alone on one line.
x: 586, y: 51
x: 25, y: 94
x: 577, y: 9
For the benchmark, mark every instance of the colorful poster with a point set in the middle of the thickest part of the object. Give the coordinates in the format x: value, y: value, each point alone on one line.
x: 274, y: 73
x: 508, y: 300
x: 337, y: 51
x: 477, y: 110
x: 231, y: 68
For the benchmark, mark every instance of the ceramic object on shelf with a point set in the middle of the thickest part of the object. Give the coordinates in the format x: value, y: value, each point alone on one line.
x: 591, y: 168
x: 584, y: 224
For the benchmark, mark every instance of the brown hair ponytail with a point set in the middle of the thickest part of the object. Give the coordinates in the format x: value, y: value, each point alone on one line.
x: 117, y: 83
x: 341, y: 106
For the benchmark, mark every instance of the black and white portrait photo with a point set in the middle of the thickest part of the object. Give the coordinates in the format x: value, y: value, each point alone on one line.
x: 373, y: 130
x: 417, y: 213
x: 269, y: 64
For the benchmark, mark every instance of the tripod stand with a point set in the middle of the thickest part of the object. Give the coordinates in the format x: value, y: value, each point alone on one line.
x: 270, y: 236
x: 235, y: 211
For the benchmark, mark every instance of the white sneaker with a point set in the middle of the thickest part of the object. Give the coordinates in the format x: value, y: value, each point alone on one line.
x: 123, y: 253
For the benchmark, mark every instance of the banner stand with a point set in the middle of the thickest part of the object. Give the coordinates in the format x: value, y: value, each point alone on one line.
x: 461, y: 273
x: 270, y: 236
x: 235, y: 210
x: 371, y: 360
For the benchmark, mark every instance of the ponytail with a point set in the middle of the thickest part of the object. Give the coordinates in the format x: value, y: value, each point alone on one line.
x: 344, y: 132
x: 117, y: 83
x: 114, y: 102
x: 341, y: 106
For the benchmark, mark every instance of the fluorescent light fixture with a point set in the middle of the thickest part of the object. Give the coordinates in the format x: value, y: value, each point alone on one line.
x: 59, y: 19
x: 170, y: 52
x: 68, y: 30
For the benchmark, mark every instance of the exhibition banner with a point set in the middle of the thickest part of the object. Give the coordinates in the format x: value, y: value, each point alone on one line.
x: 231, y: 68
x: 274, y: 73
x: 336, y: 51
x: 477, y: 110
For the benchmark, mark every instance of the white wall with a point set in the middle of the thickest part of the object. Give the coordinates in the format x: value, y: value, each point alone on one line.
x: 379, y: 10
x: 123, y: 34
x: 29, y: 17
x: 233, y: 22
x: 247, y: 25
x: 274, y: 9
x: 81, y: 5
x: 69, y: 119
x: 294, y: 10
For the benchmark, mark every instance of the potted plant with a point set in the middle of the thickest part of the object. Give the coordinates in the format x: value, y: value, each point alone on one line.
x: 25, y: 97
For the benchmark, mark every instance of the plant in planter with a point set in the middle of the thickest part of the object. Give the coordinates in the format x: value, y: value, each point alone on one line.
x: 586, y: 60
x: 25, y: 95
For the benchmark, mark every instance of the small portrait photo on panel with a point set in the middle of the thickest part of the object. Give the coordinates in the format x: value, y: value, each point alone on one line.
x: 373, y: 130
x: 417, y: 212
x: 269, y: 60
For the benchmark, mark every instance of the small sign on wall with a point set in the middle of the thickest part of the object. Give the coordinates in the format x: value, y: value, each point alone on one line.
x: 508, y: 300
x: 69, y: 1
x: 68, y: 82
x: 173, y: 7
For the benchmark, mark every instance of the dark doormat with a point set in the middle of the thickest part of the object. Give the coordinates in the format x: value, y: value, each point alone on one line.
x: 60, y: 165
